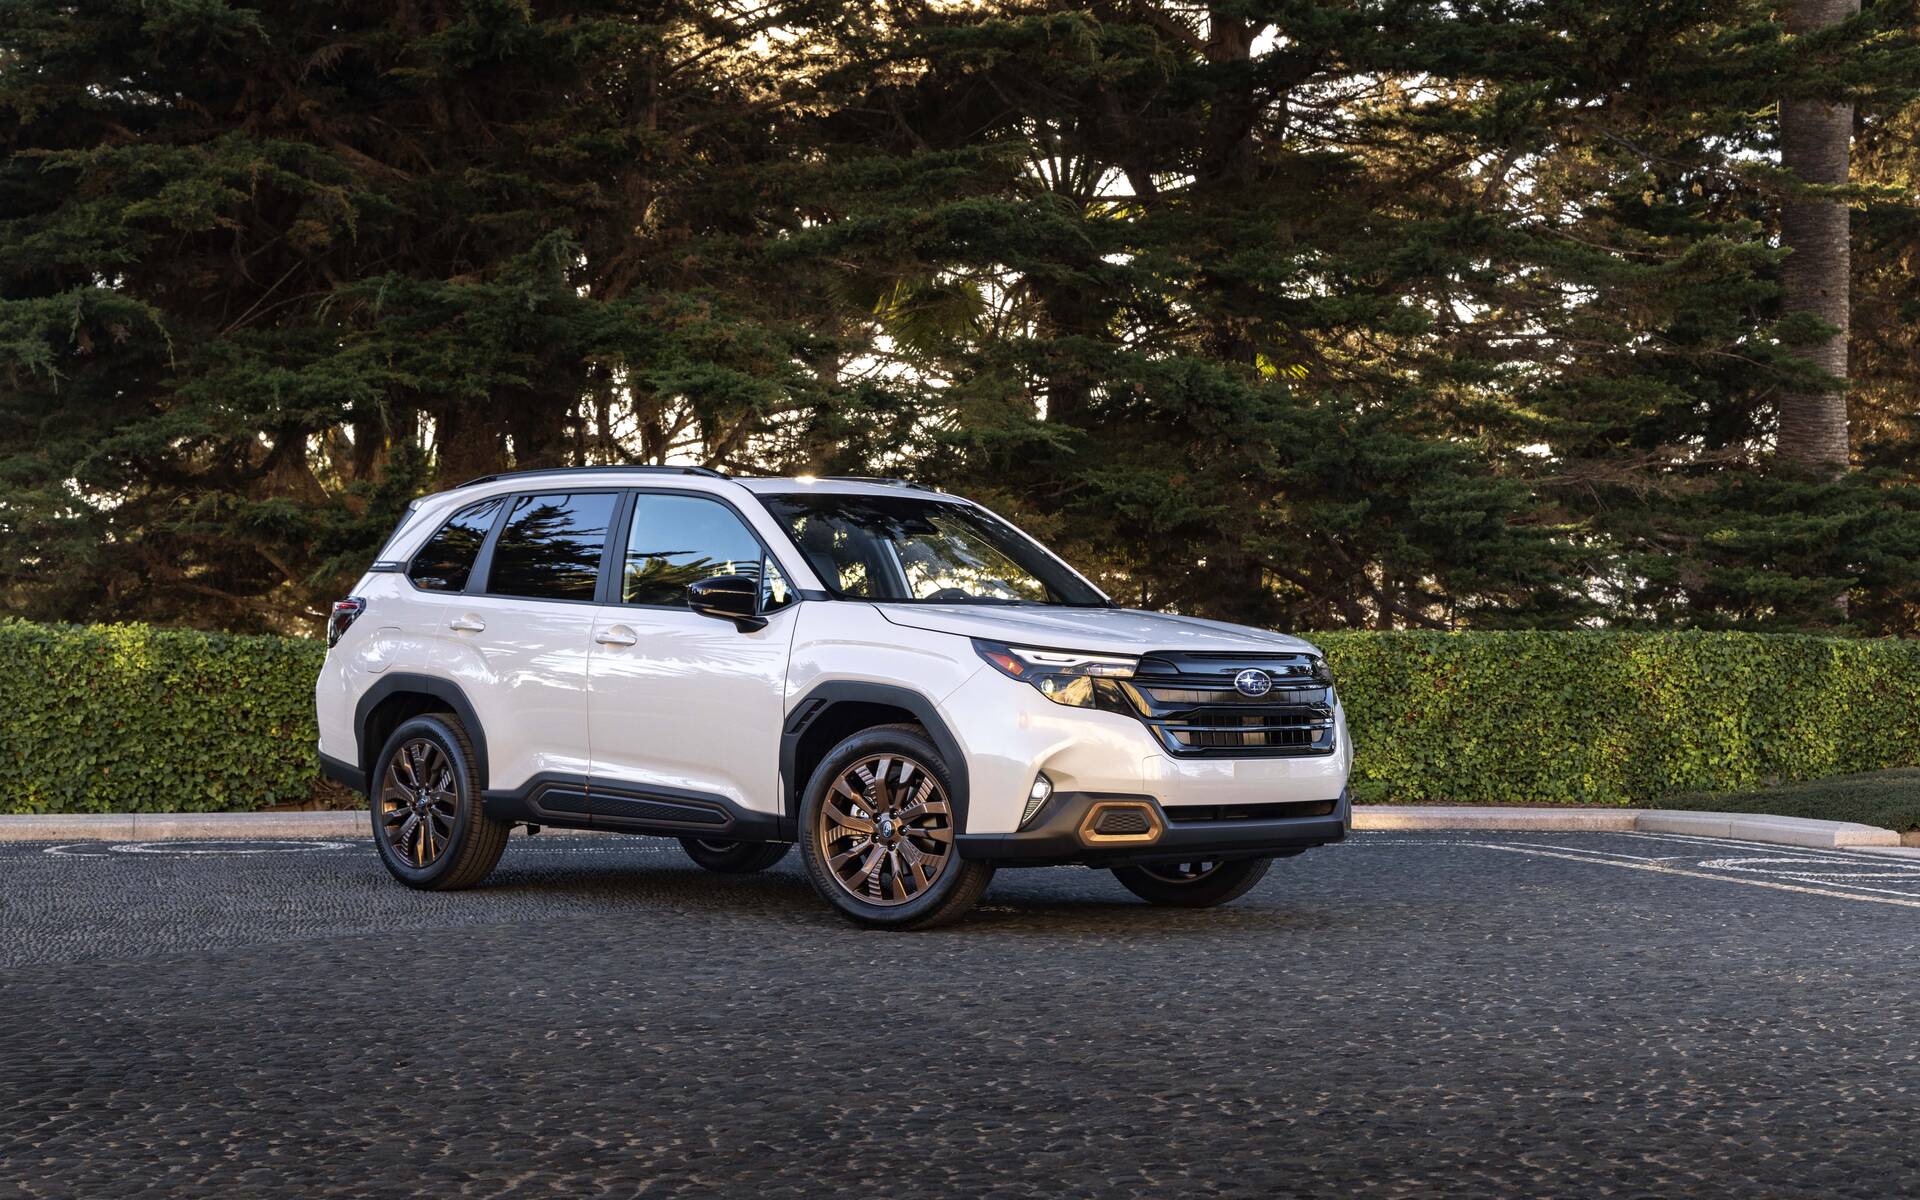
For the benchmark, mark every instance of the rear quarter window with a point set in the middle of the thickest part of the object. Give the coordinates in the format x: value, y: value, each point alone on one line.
x: 445, y: 563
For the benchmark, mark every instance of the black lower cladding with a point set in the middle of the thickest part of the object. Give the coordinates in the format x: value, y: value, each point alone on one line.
x: 1212, y: 831
x: 571, y: 802
x: 343, y: 772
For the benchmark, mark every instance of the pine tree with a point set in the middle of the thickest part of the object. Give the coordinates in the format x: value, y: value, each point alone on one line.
x: 267, y: 272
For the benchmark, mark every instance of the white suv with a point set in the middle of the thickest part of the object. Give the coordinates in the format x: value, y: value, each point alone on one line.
x: 895, y: 678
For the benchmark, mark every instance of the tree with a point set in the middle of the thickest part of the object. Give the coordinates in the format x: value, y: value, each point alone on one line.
x: 1816, y: 135
x: 266, y: 272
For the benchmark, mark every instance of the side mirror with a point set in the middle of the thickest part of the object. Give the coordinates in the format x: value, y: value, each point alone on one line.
x: 733, y: 598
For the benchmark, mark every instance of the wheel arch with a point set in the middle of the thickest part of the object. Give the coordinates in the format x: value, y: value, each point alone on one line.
x: 397, y: 697
x: 835, y: 710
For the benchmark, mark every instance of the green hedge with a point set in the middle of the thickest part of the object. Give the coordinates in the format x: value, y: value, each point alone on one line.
x: 128, y: 718
x: 1618, y: 718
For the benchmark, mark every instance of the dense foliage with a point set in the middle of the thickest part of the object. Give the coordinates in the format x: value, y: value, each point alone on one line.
x: 1316, y: 313
x: 128, y: 718
x: 1618, y: 718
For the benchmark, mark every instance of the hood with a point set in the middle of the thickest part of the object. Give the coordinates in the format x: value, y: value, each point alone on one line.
x: 1109, y: 630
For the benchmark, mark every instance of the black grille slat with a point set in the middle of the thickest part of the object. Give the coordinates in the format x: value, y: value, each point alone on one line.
x: 1190, y: 702
x: 1122, y: 822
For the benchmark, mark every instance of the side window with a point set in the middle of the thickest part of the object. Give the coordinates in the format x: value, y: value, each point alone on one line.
x: 833, y: 553
x: 775, y: 591
x: 680, y: 540
x: 443, y: 564
x: 550, y: 548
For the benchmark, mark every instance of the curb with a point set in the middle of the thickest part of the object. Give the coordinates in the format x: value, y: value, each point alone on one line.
x: 154, y: 827
x: 1750, y: 827
x: 352, y: 825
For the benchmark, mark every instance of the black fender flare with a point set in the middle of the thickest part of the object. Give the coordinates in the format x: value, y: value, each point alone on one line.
x: 821, y: 699
x: 430, y: 685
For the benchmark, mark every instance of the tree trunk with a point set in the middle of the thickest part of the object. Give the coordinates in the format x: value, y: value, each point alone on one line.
x: 468, y: 442
x: 1815, y: 136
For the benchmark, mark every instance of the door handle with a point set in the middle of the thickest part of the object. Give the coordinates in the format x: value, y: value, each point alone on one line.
x: 468, y: 624
x: 616, y: 635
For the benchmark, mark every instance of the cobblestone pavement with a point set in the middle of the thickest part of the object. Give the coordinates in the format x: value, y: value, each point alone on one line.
x: 1403, y: 1015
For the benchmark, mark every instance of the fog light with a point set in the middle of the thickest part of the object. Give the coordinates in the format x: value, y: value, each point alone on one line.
x: 1036, y: 796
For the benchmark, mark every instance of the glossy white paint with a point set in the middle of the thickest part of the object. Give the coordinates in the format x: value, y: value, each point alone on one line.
x: 525, y: 673
x: 692, y: 703
x: 1115, y: 630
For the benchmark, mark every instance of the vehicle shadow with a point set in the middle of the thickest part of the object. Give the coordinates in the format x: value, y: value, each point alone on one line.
x: 1039, y: 902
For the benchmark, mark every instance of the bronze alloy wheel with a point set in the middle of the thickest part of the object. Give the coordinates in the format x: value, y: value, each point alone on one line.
x: 886, y: 829
x: 418, y: 805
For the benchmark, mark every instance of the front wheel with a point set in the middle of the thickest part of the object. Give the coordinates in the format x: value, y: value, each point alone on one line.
x: 877, y: 829
x: 1202, y: 884
x: 734, y: 858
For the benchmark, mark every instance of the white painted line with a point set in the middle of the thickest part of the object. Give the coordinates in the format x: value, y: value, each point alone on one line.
x: 1584, y: 850
x: 1666, y: 870
x: 1836, y: 854
x: 184, y: 847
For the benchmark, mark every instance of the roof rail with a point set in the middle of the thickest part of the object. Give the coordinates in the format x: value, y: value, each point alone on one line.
x: 638, y: 468
x: 881, y: 480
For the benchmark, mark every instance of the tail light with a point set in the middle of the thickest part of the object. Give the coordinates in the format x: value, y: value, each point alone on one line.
x: 342, y: 616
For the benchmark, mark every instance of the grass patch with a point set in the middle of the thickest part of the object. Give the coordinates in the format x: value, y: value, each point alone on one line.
x: 1888, y: 799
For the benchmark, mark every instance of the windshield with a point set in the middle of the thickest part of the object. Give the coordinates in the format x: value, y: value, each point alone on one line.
x: 911, y: 548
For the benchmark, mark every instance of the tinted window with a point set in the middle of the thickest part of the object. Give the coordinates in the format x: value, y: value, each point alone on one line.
x: 775, y: 591
x: 551, y: 546
x: 444, y: 563
x: 679, y: 540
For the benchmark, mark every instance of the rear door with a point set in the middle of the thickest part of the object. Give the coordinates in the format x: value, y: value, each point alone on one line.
x: 686, y: 708
x: 521, y: 633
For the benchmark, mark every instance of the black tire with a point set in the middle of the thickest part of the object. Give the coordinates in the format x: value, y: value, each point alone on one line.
x: 1193, y: 885
x: 959, y: 883
x: 735, y: 858
x: 472, y: 841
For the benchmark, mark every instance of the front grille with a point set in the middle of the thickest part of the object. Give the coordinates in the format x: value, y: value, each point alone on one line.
x: 1190, y: 702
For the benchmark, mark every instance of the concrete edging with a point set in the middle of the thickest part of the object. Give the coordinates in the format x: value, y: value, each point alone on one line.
x: 1784, y: 831
x: 1750, y: 827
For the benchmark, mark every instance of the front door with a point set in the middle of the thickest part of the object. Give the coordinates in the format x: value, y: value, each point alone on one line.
x: 686, y: 709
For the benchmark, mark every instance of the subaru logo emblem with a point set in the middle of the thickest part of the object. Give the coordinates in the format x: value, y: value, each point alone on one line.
x: 1253, y: 682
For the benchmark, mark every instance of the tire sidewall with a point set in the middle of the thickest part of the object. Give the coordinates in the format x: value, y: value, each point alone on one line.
x: 737, y: 858
x: 441, y: 733
x: 1225, y: 884
x: 901, y: 741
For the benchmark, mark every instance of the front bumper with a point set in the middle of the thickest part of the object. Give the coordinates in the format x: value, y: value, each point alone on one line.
x: 1009, y: 733
x: 1060, y: 834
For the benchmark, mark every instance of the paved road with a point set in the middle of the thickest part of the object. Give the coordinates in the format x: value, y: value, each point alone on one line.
x: 1404, y: 1015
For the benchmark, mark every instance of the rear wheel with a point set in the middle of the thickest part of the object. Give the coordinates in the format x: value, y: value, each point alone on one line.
x: 1201, y: 884
x: 734, y: 858
x: 877, y: 829
x: 428, y: 824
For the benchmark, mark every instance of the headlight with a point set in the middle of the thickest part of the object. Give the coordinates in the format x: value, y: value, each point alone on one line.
x: 1064, y: 676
